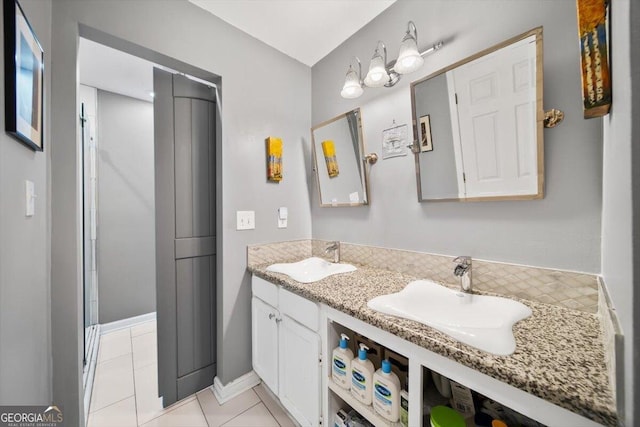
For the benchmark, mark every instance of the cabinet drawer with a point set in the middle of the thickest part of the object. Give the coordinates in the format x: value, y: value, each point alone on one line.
x: 266, y: 291
x: 299, y: 309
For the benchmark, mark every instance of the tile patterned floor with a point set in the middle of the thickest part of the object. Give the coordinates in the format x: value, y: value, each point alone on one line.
x: 125, y: 390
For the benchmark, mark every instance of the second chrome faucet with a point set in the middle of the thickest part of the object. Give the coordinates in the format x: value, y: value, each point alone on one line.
x: 463, y: 271
x: 335, y: 247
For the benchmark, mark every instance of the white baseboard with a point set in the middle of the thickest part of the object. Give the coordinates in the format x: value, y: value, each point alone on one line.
x: 224, y: 393
x: 127, y: 323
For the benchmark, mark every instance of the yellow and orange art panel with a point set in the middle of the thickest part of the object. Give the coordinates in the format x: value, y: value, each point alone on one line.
x: 596, y: 78
x: 274, y: 158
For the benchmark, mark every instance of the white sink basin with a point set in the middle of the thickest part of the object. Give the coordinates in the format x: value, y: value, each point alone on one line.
x: 311, y: 269
x: 483, y: 322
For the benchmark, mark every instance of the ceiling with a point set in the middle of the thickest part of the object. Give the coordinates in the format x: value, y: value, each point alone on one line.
x: 298, y: 28
x: 306, y: 30
x: 115, y: 71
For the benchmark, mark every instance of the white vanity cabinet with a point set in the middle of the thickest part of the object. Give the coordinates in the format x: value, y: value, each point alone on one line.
x: 286, y: 351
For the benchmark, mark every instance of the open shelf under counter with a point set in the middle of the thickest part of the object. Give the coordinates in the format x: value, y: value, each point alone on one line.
x: 419, y: 357
x: 366, y: 411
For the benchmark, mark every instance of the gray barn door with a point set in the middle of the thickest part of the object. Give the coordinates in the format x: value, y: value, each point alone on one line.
x: 184, y: 125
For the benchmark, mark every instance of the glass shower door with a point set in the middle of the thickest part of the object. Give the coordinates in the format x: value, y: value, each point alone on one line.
x: 89, y: 234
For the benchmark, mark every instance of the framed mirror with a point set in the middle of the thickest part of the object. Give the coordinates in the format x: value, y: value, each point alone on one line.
x: 478, y: 125
x: 338, y: 152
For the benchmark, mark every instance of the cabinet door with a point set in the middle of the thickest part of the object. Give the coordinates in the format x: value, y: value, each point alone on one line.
x: 264, y: 339
x: 300, y: 371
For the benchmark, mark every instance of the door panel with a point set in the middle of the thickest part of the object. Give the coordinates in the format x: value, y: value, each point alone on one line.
x: 487, y: 161
x: 264, y: 340
x: 196, y: 339
x: 299, y: 371
x: 194, y: 162
x: 184, y: 116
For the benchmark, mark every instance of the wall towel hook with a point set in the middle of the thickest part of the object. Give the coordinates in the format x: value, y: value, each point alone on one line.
x: 553, y: 118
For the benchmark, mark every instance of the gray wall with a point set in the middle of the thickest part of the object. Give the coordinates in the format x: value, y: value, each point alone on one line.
x: 126, y: 214
x: 438, y: 175
x: 561, y: 231
x: 25, y: 349
x: 263, y: 93
x: 620, y: 222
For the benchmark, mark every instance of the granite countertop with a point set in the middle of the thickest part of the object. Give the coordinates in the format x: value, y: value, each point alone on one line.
x: 559, y: 353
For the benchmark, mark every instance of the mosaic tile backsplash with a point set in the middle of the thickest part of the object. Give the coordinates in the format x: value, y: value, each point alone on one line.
x: 577, y: 291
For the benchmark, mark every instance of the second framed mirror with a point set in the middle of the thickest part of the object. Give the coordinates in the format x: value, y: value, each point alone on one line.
x: 338, y: 152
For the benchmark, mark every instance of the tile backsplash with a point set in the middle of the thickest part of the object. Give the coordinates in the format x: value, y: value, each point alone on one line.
x: 294, y: 250
x: 577, y: 291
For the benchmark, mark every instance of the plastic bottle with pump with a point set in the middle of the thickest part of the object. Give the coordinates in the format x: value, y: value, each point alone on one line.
x: 386, y: 392
x: 341, y: 363
x: 362, y: 376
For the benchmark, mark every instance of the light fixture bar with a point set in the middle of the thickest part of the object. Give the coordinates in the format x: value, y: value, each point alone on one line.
x: 433, y: 48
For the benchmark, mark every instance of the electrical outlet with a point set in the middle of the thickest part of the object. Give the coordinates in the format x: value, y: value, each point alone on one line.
x: 245, y: 220
x: 30, y: 195
x: 283, y: 215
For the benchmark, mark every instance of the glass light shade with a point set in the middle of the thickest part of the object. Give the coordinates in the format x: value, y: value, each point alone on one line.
x: 352, y: 87
x: 409, y: 59
x: 377, y: 75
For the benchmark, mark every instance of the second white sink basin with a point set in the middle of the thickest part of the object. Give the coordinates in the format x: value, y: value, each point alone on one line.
x: 311, y: 269
x: 481, y: 321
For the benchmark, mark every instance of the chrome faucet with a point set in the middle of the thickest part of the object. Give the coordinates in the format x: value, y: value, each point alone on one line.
x: 335, y: 247
x: 463, y: 271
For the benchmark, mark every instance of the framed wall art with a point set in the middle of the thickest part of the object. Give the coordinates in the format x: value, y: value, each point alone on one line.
x: 426, y: 144
x: 24, y: 78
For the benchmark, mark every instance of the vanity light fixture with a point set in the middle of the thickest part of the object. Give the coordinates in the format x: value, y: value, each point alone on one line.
x: 352, y: 83
x: 377, y: 75
x: 409, y: 59
x: 381, y: 73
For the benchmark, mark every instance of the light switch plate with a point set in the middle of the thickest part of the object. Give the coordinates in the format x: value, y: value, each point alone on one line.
x: 30, y: 195
x: 245, y: 220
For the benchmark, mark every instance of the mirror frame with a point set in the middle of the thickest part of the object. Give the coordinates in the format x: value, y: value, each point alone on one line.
x: 365, y: 170
x: 539, y: 118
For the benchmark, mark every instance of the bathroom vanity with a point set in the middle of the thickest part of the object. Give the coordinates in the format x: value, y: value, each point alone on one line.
x: 556, y: 376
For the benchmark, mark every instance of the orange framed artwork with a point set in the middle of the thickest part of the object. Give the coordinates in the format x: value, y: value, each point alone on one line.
x: 596, y: 78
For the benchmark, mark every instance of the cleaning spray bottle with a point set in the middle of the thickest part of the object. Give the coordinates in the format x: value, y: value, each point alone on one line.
x: 362, y: 376
x: 386, y: 392
x: 341, y: 363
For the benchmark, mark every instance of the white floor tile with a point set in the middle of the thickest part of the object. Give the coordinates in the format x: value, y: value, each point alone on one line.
x: 187, y: 415
x: 114, y: 344
x: 143, y: 328
x: 256, y: 416
x: 148, y: 404
x: 217, y: 414
x: 273, y: 406
x: 113, y: 382
x: 121, y: 414
x: 145, y: 350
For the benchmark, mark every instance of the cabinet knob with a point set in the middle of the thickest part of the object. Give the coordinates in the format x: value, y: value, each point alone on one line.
x: 273, y: 316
